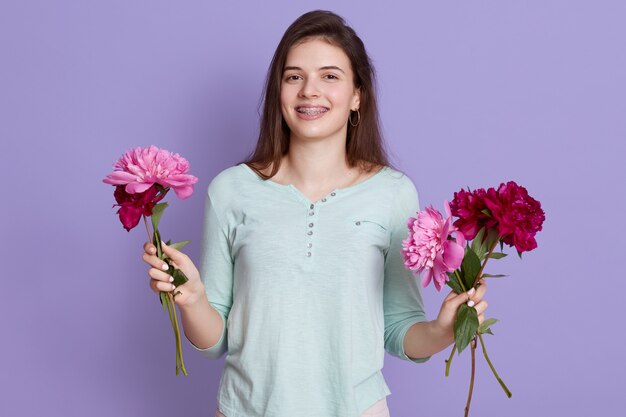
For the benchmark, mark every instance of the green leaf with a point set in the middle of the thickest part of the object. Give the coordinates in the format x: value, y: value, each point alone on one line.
x: 487, y: 212
x: 465, y: 326
x: 178, y: 245
x: 477, y: 243
x: 470, y: 267
x: 453, y: 283
x: 497, y: 255
x: 519, y: 254
x: 157, y: 212
x: 488, y: 331
x: 485, y: 325
x: 178, y: 275
x: 494, y: 275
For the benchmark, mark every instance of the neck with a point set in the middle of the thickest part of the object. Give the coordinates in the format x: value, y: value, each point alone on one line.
x: 317, y: 165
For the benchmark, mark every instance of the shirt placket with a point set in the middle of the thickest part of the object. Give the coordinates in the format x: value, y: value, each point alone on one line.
x: 312, y: 227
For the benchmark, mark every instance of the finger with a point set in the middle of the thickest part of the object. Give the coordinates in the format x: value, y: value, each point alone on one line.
x: 482, y: 288
x: 149, y: 248
x: 160, y: 275
x: 175, y: 255
x: 450, y: 296
x: 481, y: 318
x: 160, y: 286
x: 461, y: 298
x: 155, y: 262
x: 481, y: 307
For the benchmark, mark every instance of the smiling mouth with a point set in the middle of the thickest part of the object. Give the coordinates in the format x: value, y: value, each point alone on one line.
x: 311, y: 110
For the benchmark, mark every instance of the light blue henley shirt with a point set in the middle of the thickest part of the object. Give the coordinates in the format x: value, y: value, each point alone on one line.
x: 312, y: 293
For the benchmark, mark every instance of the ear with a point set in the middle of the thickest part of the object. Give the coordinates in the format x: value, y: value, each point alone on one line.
x: 356, y: 99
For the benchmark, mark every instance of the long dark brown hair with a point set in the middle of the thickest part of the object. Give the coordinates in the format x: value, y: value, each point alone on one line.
x: 364, y: 143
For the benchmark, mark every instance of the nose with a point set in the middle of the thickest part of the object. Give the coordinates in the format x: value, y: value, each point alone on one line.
x: 309, y: 88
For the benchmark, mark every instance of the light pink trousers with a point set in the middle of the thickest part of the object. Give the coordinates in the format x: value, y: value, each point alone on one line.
x: 378, y: 409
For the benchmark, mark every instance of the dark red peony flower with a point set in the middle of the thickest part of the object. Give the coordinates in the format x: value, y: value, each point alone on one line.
x: 519, y: 215
x: 468, y: 206
x: 132, y: 206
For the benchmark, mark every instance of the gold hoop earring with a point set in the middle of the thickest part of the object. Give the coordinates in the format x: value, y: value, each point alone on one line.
x: 358, y: 118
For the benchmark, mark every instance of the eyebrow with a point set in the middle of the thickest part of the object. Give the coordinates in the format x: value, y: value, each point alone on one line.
x: 321, y: 68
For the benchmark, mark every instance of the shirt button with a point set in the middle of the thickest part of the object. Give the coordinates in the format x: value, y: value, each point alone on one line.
x: 333, y: 193
x: 358, y: 223
x: 308, y: 245
x: 310, y: 224
x: 311, y: 213
x: 310, y: 232
x: 324, y: 199
x: 308, y: 254
x: 312, y: 206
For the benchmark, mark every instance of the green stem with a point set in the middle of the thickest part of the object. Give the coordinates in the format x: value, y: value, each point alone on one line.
x: 145, y: 221
x: 471, y: 388
x: 171, y: 310
x: 480, y: 272
x: 502, y: 384
x: 458, y: 277
x: 449, y: 361
x: 179, y: 346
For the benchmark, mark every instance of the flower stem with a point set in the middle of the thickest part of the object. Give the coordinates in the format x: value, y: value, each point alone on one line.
x: 480, y: 272
x: 458, y: 277
x: 449, y: 361
x: 471, y: 388
x: 179, y: 346
x: 502, y: 384
x: 171, y: 309
x: 145, y: 221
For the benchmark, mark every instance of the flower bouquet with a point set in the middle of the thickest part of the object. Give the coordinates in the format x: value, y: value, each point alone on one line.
x: 507, y: 215
x: 142, y: 177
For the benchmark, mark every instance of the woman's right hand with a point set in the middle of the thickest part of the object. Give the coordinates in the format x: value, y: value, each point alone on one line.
x: 160, y: 280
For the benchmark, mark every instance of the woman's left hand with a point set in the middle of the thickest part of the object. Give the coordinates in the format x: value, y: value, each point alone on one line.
x: 452, y: 302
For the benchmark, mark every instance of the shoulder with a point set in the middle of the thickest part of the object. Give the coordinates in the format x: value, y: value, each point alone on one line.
x: 402, y: 191
x: 228, y: 180
x: 400, y: 182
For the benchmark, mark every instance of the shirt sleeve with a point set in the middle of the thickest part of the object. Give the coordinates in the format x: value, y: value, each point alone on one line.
x: 402, y: 300
x: 216, y: 272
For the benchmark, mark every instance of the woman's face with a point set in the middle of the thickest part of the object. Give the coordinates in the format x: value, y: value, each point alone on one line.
x: 317, y: 91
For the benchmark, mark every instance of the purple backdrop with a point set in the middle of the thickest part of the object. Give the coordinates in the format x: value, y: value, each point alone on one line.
x: 471, y: 93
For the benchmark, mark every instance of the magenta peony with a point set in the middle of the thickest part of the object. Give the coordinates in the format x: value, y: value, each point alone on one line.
x: 133, y: 206
x: 519, y: 215
x: 427, y: 247
x: 468, y: 206
x: 138, y: 169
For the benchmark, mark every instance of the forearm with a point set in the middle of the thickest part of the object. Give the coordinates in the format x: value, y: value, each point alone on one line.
x: 425, y: 338
x: 202, y: 324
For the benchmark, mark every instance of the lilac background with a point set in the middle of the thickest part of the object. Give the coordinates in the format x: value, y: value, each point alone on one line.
x: 472, y: 94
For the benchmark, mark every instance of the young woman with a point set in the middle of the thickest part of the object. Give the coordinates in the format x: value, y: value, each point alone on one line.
x: 303, y: 282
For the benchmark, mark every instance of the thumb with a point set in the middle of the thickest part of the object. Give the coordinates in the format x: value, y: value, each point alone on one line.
x: 463, y: 297
x: 175, y: 255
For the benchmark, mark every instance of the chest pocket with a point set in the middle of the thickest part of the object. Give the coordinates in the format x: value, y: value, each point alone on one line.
x: 371, y: 232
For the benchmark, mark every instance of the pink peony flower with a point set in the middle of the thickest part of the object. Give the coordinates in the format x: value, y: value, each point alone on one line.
x: 427, y: 247
x: 519, y: 215
x: 138, y: 169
